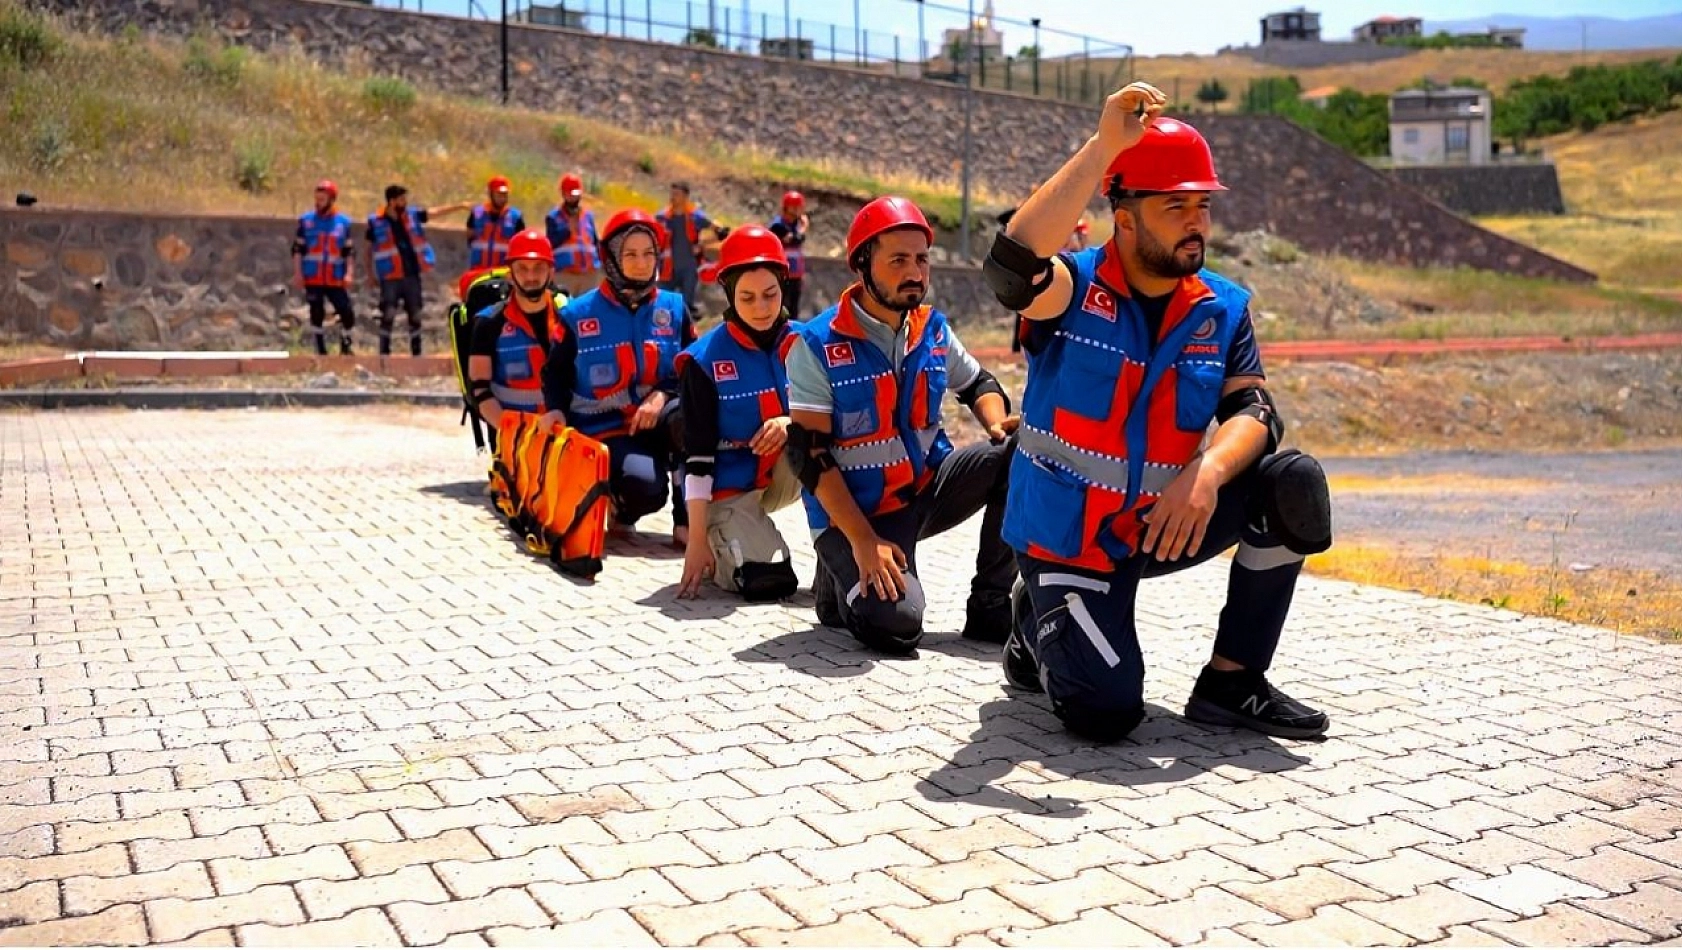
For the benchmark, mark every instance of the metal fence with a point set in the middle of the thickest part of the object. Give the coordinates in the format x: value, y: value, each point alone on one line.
x: 941, y: 49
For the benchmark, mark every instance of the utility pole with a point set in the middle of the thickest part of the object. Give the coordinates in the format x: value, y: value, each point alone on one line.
x: 504, y: 52
x: 969, y: 110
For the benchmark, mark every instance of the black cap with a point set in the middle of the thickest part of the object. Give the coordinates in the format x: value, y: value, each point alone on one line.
x: 682, y: 186
x: 393, y: 192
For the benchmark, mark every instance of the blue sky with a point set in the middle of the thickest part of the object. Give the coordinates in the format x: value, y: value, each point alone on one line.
x: 1216, y: 23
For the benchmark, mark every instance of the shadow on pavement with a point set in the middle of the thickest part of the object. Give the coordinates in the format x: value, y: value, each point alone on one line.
x: 1164, y: 749
x: 468, y: 493
x: 833, y: 652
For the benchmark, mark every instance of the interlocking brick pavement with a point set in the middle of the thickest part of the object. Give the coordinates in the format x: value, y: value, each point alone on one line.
x: 282, y: 678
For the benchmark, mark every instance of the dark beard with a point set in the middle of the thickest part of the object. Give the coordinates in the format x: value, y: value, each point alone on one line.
x: 1164, y: 261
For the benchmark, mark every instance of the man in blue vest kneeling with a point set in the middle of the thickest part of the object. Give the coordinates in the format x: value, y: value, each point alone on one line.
x: 865, y: 390
x: 1133, y: 350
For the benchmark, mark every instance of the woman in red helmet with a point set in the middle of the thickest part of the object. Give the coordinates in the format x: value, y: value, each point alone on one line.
x: 734, y: 391
x: 790, y: 226
x: 1134, y: 349
x: 623, y: 392
x: 865, y: 390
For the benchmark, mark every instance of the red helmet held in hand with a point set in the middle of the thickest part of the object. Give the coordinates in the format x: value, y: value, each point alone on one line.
x: 1172, y: 156
x: 751, y: 245
x: 530, y: 245
x: 881, y: 216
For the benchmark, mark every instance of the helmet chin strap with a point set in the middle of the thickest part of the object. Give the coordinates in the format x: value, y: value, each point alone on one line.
x: 532, y: 295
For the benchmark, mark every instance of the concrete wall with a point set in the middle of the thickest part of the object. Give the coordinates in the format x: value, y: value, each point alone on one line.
x: 1283, y: 178
x: 108, y: 280
x: 1309, y: 54
x: 1513, y: 188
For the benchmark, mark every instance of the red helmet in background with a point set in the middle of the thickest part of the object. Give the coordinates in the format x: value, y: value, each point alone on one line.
x: 630, y: 217
x: 571, y: 186
x: 1172, y: 156
x: 794, y: 200
x: 749, y: 245
x: 498, y: 183
x: 531, y: 245
x: 327, y: 185
x: 881, y: 216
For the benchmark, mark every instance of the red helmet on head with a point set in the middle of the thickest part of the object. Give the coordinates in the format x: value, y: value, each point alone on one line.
x: 1172, y: 156
x: 881, y: 216
x: 571, y: 185
x: 748, y: 245
x: 327, y: 185
x: 498, y: 183
x: 629, y: 217
x: 794, y: 199
x: 531, y: 245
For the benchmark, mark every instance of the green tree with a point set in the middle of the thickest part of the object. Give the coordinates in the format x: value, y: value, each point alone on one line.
x: 1272, y: 95
x: 701, y: 36
x: 1212, y: 94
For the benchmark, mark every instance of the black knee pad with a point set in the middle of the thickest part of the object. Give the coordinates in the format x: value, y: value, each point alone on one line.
x: 760, y: 582
x: 1100, y: 724
x: 1295, y: 501
x: 889, y: 626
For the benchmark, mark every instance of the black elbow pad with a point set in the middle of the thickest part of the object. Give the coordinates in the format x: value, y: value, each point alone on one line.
x: 1015, y: 273
x: 984, y: 383
x: 1257, y: 403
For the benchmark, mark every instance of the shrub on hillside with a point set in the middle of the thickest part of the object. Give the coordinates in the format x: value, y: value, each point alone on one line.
x: 25, y: 38
x: 388, y: 94
x: 254, y: 166
x: 49, y: 146
x: 221, y: 66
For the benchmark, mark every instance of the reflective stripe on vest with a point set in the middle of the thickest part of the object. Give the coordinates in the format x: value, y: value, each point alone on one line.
x: 325, y: 238
x: 517, y: 369
x: 388, y: 260
x: 1104, y: 471
x: 489, y: 234
x: 622, y: 357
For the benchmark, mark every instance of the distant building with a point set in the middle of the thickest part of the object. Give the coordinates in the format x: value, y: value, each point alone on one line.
x: 1447, y: 126
x: 1299, y: 25
x: 554, y: 15
x: 1318, y: 96
x: 1388, y: 27
x: 789, y: 47
x: 1507, y: 38
x: 989, y: 41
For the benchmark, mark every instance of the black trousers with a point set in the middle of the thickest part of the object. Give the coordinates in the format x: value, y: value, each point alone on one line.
x: 318, y: 298
x: 642, y: 469
x: 404, y: 292
x: 969, y: 480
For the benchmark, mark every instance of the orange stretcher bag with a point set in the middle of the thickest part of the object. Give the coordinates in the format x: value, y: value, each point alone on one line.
x: 552, y: 486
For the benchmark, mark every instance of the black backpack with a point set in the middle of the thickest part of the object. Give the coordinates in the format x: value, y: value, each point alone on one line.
x: 487, y: 290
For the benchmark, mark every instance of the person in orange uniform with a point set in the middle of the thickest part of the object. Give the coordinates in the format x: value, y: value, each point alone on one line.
x: 790, y: 226
x: 491, y: 225
x: 321, y: 266
x: 1134, y: 350
x: 521, y: 345
x: 683, y: 225
x: 572, y: 230
x: 733, y: 388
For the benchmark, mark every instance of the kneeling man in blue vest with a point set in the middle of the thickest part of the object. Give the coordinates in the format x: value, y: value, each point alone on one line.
x: 1133, y: 350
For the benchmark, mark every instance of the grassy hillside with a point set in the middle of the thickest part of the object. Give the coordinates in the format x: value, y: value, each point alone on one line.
x: 147, y: 124
x: 1623, y: 187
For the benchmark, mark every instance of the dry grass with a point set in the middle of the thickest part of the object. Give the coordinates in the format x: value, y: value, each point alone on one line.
x: 1627, y: 601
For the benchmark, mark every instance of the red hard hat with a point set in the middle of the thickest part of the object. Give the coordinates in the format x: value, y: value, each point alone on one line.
x: 883, y: 215
x: 630, y: 216
x: 531, y: 245
x: 498, y: 183
x: 1172, y: 156
x: 751, y: 244
x: 794, y: 199
x: 572, y: 185
x: 327, y: 186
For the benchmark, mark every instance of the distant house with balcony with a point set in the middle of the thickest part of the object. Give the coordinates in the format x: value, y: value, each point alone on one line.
x: 1299, y: 25
x: 1443, y: 126
x: 1389, y: 27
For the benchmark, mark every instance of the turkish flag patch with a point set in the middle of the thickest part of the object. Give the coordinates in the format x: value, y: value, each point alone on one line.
x: 838, y: 354
x: 589, y: 326
x: 724, y: 370
x: 1100, y: 302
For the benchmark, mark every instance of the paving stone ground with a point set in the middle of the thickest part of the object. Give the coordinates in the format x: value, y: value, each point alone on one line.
x: 281, y: 678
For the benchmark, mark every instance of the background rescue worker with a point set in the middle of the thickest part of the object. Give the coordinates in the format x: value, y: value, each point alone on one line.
x: 791, y: 226
x: 572, y: 230
x: 624, y: 391
x: 491, y: 225
x: 865, y: 389
x: 397, y: 255
x: 321, y: 266
x: 734, y: 392
x: 520, y: 346
x: 682, y: 225
x: 1133, y: 350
